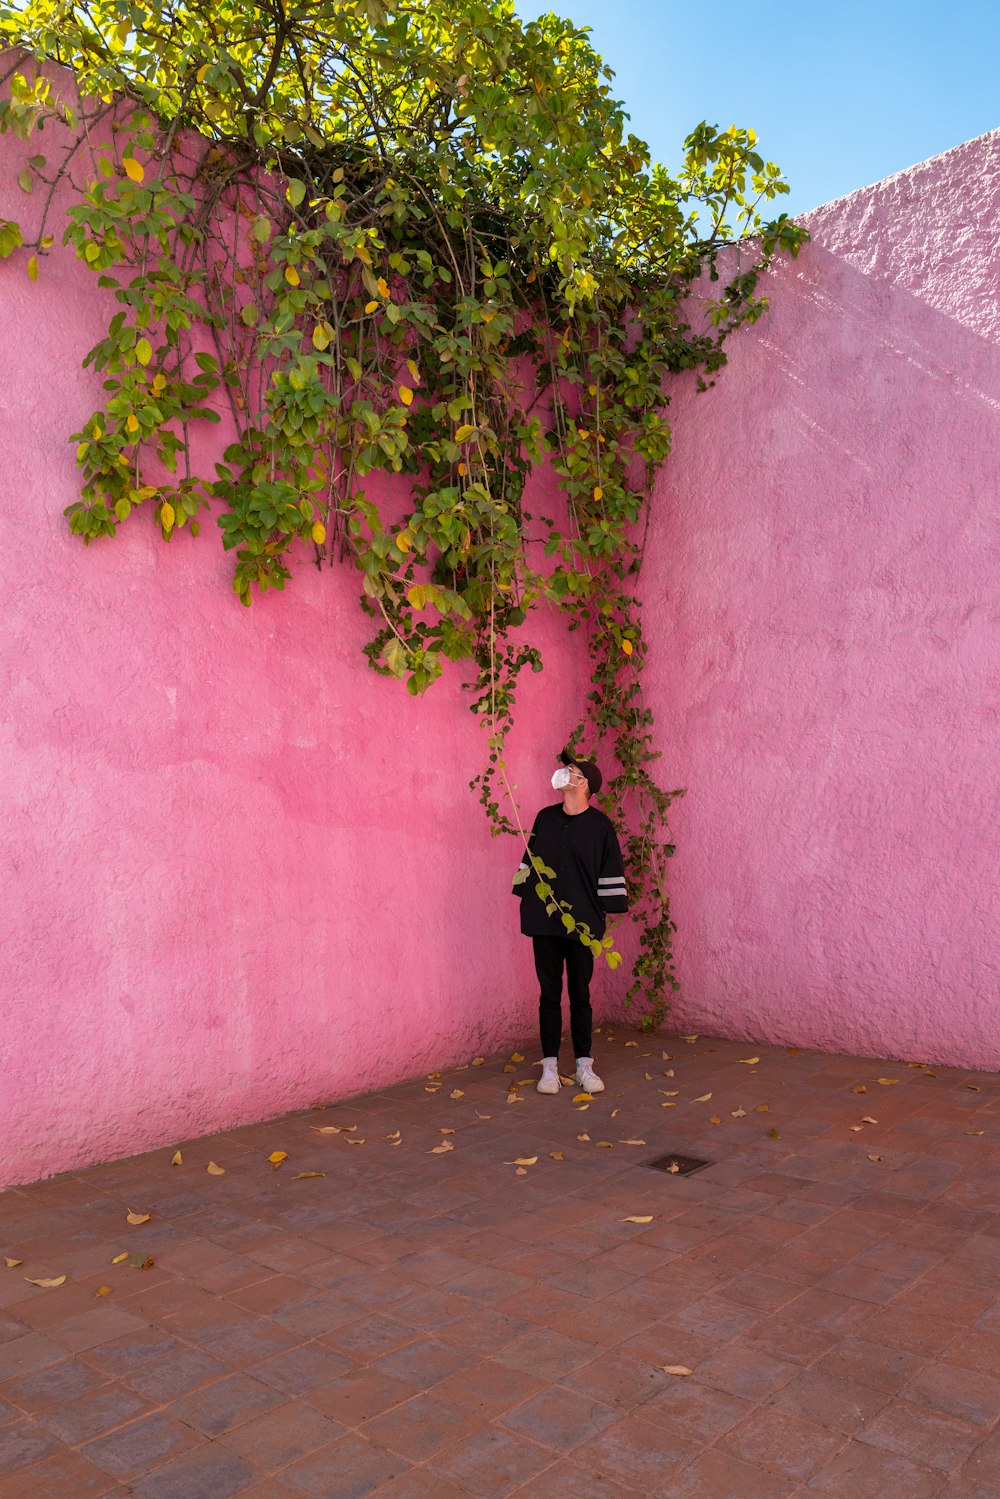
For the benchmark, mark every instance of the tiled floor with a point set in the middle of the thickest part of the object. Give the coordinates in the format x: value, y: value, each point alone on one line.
x: 401, y: 1310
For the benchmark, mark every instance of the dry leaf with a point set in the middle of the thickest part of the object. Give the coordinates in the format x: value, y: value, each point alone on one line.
x: 394, y: 1136
x: 615, y: 1113
x: 434, y: 1076
x: 869, y: 1120
x: 669, y: 1092
x: 277, y: 1158
x: 138, y: 1262
x: 739, y: 1113
x: 874, y: 1157
x: 859, y: 1088
x: 351, y: 1140
x: 214, y: 1170
x: 773, y: 1134
x: 523, y: 1160
x: 704, y: 1098
x: 648, y: 1076
x: 638, y: 1220
x: 668, y: 1072
x: 668, y: 1106
x: 176, y: 1159
x: 336, y: 1129
x: 968, y: 1132
x: 442, y: 1148
x: 715, y: 1119
x: 631, y: 1142
x: 749, y: 1061
x: 456, y: 1093
x: 302, y: 1175
x: 56, y: 1280
x: 435, y: 1089
x: 119, y: 1257
x: 792, y: 1051
x: 762, y: 1108
x: 582, y: 1108
x: 509, y: 1067
x: 631, y: 1043
x: 582, y: 1098
x: 520, y: 1171
x: 138, y: 1218
x: 514, y: 1098
x: 971, y: 1087
x: 604, y: 1145
x: 478, y: 1062
x: 673, y: 1168
x: 567, y: 1082
x: 516, y: 1056
x: 556, y: 1155
x: 444, y: 1130
x: 483, y: 1116
x: 890, y: 1082
x: 681, y: 1370
x: 583, y: 1137
x: 103, y: 1291
x: 929, y: 1073
x: 689, y: 1039
x: 395, y: 1142
x: 854, y: 1128
x: 666, y: 1056
x: 12, y: 1264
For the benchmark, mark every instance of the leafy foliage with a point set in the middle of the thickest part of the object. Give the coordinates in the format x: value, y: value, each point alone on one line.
x: 409, y: 238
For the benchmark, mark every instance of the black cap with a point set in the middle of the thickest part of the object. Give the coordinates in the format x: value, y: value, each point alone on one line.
x: 587, y: 768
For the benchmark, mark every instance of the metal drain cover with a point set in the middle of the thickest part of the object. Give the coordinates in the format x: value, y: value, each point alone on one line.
x: 678, y: 1165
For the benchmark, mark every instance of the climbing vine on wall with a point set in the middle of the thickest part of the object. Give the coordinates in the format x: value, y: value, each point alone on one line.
x: 410, y: 238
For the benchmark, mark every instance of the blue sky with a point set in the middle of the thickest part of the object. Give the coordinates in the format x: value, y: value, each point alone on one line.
x: 840, y: 93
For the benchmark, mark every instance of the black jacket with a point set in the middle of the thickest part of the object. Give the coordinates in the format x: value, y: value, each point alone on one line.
x: 583, y: 850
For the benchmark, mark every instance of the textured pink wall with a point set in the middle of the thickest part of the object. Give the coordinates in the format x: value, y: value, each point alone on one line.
x: 822, y: 593
x: 242, y: 872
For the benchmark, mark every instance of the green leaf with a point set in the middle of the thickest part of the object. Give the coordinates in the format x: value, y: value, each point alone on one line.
x: 143, y: 351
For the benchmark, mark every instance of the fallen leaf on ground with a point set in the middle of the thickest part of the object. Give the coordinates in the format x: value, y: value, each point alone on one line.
x: 704, y: 1098
x: 604, y: 1145
x: 137, y: 1218
x: 440, y: 1149
x: 483, y: 1116
x: 854, y: 1128
x: 509, y: 1067
x: 394, y: 1136
x: 749, y: 1061
x: 434, y: 1076
x: 456, y: 1093
x: 888, y: 1082
x: 869, y: 1120
x: 666, y: 1056
x: 916, y: 1064
x: 773, y: 1134
x: 55, y: 1280
x: 673, y: 1168
x: 435, y: 1089
x: 668, y: 1106
x: 516, y: 1056
x: 556, y: 1155
x: 681, y: 1370
x: 140, y: 1262
x: 12, y: 1264
x: 968, y: 1132
x: 714, y: 1119
x: 214, y: 1170
x: 567, y: 1082
x: 176, y: 1159
x: 638, y: 1220
x: 478, y: 1062
x: 444, y: 1130
x: 648, y: 1076
x: 668, y: 1072
x: 524, y: 1082
x: 971, y: 1087
x: 615, y: 1113
x: 859, y: 1088
x: 522, y: 1160
x: 103, y: 1291
x: 302, y: 1175
x: 520, y: 1171
x: 119, y: 1257
x: 792, y: 1051
x: 582, y: 1098
x: 514, y: 1098
x: 762, y: 1108
x: 351, y: 1140
x: 583, y: 1137
x: 276, y: 1158
x: 631, y: 1142
x: 689, y: 1039
x: 670, y: 1092
x: 874, y: 1157
x: 739, y: 1113
x: 631, y: 1043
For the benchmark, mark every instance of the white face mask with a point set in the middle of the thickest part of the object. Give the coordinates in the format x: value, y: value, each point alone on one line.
x: 561, y: 778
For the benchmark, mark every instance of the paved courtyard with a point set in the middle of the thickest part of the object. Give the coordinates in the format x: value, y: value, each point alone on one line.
x: 376, y: 1299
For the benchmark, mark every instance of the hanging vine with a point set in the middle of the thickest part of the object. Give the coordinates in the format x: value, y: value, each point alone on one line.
x: 413, y: 239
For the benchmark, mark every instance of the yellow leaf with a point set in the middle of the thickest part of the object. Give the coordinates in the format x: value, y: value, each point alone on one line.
x: 167, y: 515
x: 320, y: 337
x: 520, y: 1171
x: 144, y: 353
x: 749, y: 1061
x: 200, y: 75
x: 583, y: 1137
x: 516, y: 1056
x: 318, y: 533
x: 132, y: 422
x: 353, y: 1140
x: 12, y: 1264
x: 302, y: 1175
x: 394, y: 1136
x: 406, y: 395
x: 444, y: 1130
x: 889, y: 1082
x: 403, y: 541
x: 176, y: 1159
x: 627, y: 647
x: 715, y: 1119
x: 631, y: 1142
x: 411, y: 365
x: 383, y: 287
x: 478, y: 1062
x: 371, y: 306
x: 681, y: 1370
x: 56, y: 1280
x: 276, y: 1157
x: 531, y: 276
x: 363, y: 255
x: 762, y: 1108
x: 689, y: 1039
x: 214, y: 1170
x: 604, y: 1145
x: 859, y: 1088
x: 869, y: 1120
x: 598, y: 492
x: 440, y: 1149
x: 134, y: 170
x: 854, y: 1128
x: 638, y: 1220
x: 704, y: 1098
x: 968, y: 1132
x: 119, y: 1257
x: 33, y: 268
x: 522, y: 1160
x: 464, y: 433
x: 592, y: 389
x: 668, y: 1106
x: 456, y: 1093
x: 103, y: 1291
x: 159, y: 384
x: 556, y: 1155
x: 582, y: 1098
x: 137, y: 1218
x: 874, y: 1157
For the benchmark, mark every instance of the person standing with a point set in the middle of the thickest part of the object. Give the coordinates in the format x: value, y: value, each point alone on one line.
x: 579, y: 843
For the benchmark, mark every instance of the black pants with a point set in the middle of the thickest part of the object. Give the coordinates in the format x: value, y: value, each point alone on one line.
x: 551, y: 953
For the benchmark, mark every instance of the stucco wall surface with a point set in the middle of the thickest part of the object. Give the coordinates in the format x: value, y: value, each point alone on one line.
x: 242, y: 873
x: 821, y: 589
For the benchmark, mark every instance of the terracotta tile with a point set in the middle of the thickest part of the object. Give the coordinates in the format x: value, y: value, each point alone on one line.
x: 175, y: 1375
x: 487, y: 1332
x: 925, y: 1435
x: 872, y: 1364
x: 350, y: 1468
x: 25, y: 1442
x: 492, y: 1463
x: 228, y: 1403
x: 715, y: 1475
x: 302, y: 1369
x: 101, y: 1411
x: 424, y: 1362
x: 965, y: 1393
x: 280, y: 1436
x: 560, y: 1418
x: 752, y: 1380
x: 619, y: 1380
x: 693, y: 1410
x: 66, y: 1475
x: 53, y: 1386
x: 827, y: 1401
x: 914, y: 1331
x: 973, y: 1349
x: 27, y: 1354
x: 489, y: 1388
x: 141, y: 1445
x: 637, y: 1453
x: 781, y: 1443
x: 359, y: 1395
x: 124, y: 1355
x: 861, y: 1471
x: 787, y: 1338
x: 207, y: 1474
x: 420, y: 1427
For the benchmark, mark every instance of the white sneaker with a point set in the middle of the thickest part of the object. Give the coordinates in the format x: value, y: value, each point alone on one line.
x: 549, y: 1080
x: 587, y: 1077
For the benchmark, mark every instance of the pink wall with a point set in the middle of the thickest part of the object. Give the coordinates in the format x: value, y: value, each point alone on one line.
x: 822, y: 594
x: 242, y: 872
